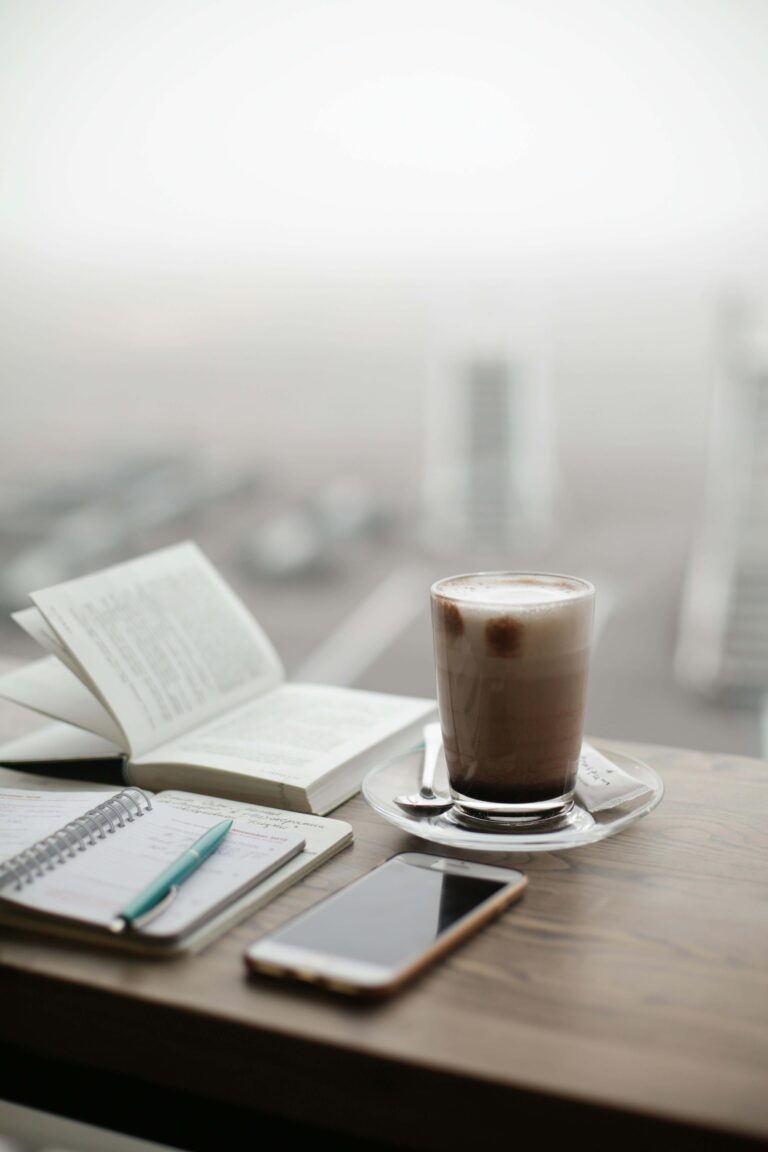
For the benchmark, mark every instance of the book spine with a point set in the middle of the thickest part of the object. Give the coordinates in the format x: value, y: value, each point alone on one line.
x: 83, y: 832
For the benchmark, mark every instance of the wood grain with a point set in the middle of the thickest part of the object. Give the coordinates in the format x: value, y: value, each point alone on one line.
x: 628, y: 988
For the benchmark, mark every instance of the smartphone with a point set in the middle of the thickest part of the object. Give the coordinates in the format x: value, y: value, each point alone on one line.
x: 378, y: 932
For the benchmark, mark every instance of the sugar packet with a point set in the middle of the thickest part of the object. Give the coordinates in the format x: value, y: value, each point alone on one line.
x: 601, y: 784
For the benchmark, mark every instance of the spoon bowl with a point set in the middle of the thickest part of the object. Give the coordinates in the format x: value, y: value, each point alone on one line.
x: 415, y: 802
x: 426, y: 800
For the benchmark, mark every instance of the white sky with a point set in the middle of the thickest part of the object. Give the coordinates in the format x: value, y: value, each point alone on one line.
x: 295, y: 128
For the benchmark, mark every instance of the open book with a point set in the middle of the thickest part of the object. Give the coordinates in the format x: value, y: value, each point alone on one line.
x: 71, y: 859
x: 161, y: 662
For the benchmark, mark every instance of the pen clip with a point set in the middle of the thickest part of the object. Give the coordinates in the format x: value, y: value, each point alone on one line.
x: 147, y: 917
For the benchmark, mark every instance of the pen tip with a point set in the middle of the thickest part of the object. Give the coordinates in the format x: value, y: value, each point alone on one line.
x: 117, y: 925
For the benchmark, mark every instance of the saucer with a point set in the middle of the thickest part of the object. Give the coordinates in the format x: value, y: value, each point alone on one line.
x: 402, y: 775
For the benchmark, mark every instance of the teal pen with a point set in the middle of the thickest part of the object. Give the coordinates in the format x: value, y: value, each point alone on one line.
x: 151, y: 897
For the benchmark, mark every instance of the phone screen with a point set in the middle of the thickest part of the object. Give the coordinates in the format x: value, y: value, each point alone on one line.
x: 391, y: 916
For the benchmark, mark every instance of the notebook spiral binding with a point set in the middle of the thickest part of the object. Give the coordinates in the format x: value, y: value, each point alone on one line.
x: 76, y: 836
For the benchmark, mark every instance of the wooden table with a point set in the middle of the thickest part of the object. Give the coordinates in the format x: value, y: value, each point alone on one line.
x: 626, y: 996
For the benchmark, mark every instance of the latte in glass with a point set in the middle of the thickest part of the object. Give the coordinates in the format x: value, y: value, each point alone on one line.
x: 512, y: 659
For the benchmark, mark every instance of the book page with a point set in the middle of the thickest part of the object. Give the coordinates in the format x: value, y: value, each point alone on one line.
x: 165, y: 639
x: 36, y: 626
x: 295, y: 733
x: 55, y: 743
x: 48, y: 687
x: 94, y: 885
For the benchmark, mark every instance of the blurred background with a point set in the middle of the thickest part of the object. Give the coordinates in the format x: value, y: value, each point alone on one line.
x: 361, y: 294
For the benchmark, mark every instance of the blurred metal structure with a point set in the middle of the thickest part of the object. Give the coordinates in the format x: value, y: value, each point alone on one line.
x: 304, y: 538
x: 723, y: 639
x: 64, y: 526
x: 489, y: 466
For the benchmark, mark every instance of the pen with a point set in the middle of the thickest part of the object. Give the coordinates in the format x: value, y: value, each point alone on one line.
x: 165, y: 885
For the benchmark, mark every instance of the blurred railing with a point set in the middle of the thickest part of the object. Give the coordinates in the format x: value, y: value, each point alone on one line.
x: 723, y: 639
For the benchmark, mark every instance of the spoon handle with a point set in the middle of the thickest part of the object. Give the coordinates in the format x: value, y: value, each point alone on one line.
x: 432, y: 745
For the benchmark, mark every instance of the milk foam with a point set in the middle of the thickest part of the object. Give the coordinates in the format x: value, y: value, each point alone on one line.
x: 511, y: 591
x: 555, y: 612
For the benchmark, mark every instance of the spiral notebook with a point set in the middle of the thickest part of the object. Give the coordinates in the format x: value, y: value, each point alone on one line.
x: 72, y: 860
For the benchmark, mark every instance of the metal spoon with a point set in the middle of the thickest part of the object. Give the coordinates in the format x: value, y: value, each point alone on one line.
x: 426, y: 799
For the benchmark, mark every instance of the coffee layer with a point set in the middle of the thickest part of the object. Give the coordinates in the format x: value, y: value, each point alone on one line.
x: 513, y: 740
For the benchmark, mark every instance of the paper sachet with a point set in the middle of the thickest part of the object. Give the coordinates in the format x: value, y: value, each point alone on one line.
x: 601, y: 784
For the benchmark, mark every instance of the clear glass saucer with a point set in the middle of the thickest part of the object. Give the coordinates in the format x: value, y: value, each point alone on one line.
x: 401, y: 776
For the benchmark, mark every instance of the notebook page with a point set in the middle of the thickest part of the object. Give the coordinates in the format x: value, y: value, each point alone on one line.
x: 320, y: 833
x: 247, y: 851
x: 323, y: 838
x: 93, y: 886
x: 27, y: 816
x: 165, y: 639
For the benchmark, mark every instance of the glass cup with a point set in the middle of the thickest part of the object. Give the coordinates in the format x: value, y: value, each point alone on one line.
x: 512, y: 658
